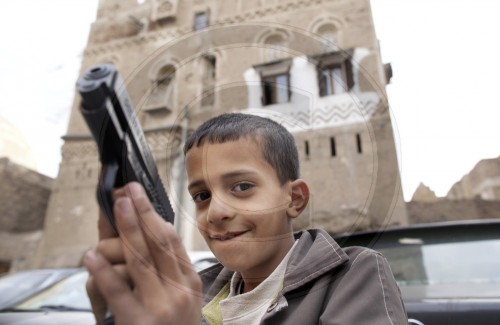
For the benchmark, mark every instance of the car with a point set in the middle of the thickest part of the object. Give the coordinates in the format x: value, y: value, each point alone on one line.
x: 16, y: 287
x: 58, y: 296
x: 448, y: 273
x: 62, y: 302
x: 202, y: 259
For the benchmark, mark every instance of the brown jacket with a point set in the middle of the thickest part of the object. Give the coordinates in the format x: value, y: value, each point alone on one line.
x: 325, y: 284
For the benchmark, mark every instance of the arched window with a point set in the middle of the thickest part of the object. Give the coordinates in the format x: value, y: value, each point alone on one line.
x: 165, y: 77
x: 162, y: 92
x: 329, y: 34
x: 275, y: 47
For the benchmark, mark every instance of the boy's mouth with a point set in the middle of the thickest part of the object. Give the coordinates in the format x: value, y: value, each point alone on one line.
x: 227, y: 235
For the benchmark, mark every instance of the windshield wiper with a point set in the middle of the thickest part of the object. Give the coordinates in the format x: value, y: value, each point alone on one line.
x: 62, y: 308
x: 44, y: 308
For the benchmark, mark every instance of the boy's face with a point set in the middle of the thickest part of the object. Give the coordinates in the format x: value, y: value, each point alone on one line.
x: 242, y: 210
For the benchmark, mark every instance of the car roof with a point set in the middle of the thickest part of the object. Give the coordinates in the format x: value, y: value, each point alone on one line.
x: 457, y: 292
x: 431, y: 232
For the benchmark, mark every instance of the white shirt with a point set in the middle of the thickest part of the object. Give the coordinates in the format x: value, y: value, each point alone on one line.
x: 249, y: 308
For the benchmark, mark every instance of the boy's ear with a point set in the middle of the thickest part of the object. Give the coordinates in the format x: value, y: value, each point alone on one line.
x: 300, y: 198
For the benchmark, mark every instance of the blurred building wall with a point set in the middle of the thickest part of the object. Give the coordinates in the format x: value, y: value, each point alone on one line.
x: 483, y: 182
x: 24, y: 194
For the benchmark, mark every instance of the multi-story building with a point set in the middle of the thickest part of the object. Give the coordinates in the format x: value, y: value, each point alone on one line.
x: 313, y: 65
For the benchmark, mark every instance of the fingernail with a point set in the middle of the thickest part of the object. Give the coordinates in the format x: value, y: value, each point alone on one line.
x: 90, y: 255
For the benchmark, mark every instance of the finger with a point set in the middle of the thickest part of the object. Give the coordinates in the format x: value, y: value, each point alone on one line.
x: 190, y: 279
x: 122, y: 272
x: 118, y: 192
x: 106, y: 230
x: 158, y: 234
x: 179, y: 251
x: 173, y: 265
x: 138, y: 257
x: 112, y: 250
x: 104, y: 226
x: 97, y: 301
x: 167, y: 249
x: 109, y: 284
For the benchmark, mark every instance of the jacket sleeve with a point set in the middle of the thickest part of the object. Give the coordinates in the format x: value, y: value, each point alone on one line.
x: 366, y: 294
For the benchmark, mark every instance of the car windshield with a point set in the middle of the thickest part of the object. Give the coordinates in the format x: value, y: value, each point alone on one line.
x: 69, y: 293
x: 418, y: 263
x: 21, y: 284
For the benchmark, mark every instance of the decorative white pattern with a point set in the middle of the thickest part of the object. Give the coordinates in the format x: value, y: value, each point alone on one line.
x: 325, y: 112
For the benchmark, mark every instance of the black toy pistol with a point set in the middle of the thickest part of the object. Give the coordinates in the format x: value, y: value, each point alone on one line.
x: 123, y: 150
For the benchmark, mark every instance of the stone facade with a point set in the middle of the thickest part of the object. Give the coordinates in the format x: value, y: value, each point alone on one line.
x: 452, y: 210
x: 482, y: 181
x: 24, y: 194
x: 24, y: 197
x: 314, y: 65
x: 423, y: 193
x: 475, y: 196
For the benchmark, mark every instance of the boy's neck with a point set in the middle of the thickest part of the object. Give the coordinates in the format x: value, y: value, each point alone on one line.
x: 251, y: 279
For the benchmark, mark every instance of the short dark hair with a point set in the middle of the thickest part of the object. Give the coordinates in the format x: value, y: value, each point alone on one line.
x: 277, y: 143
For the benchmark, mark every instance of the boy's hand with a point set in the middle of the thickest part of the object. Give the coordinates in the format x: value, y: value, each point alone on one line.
x: 110, y: 248
x: 166, y: 289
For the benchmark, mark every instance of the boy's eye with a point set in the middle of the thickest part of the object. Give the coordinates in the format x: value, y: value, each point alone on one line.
x: 201, y: 196
x: 241, y: 187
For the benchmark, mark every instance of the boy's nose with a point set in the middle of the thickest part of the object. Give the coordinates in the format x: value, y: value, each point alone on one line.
x: 219, y: 211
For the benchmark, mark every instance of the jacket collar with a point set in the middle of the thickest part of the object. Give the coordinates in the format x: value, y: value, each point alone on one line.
x: 316, y: 253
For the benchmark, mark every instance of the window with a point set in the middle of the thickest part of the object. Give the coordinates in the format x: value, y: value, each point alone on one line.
x: 210, y: 62
x: 208, y: 81
x: 165, y: 77
x: 334, y: 73
x: 334, y: 80
x: 200, y: 20
x: 275, y: 81
x: 358, y: 143
x: 333, y: 147
x: 162, y: 92
x: 275, y: 89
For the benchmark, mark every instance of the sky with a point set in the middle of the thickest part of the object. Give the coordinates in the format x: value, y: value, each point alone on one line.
x: 40, y: 56
x: 445, y: 57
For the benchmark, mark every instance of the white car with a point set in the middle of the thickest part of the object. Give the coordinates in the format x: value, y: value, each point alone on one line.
x: 63, y: 299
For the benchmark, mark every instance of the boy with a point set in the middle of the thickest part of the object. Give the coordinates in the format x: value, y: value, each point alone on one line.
x: 243, y: 175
